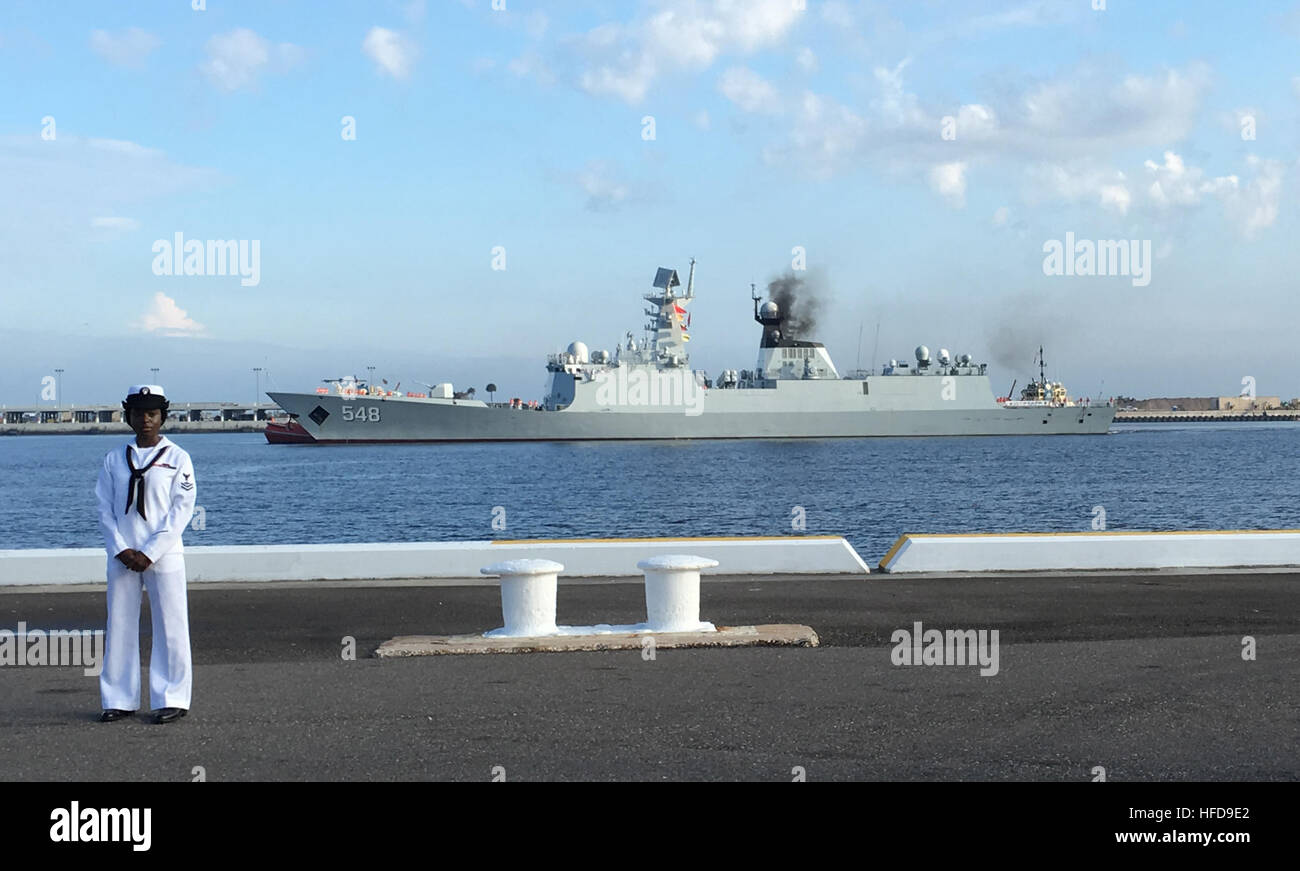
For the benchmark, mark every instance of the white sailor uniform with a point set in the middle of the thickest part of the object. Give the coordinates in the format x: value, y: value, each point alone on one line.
x: 146, y: 499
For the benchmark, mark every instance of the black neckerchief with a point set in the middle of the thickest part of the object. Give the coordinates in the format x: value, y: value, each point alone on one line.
x: 135, y: 487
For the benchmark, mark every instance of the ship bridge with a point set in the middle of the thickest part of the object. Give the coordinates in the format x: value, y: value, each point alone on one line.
x: 667, y: 331
x: 783, y: 358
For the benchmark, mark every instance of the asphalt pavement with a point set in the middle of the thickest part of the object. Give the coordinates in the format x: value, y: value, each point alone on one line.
x: 1141, y: 675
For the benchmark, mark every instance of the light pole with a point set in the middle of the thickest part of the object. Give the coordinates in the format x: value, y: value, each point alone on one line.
x: 257, y: 386
x: 58, y: 388
x: 371, y: 383
x: 154, y: 370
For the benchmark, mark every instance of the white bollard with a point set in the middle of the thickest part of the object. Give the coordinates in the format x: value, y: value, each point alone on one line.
x: 672, y: 591
x: 528, y: 589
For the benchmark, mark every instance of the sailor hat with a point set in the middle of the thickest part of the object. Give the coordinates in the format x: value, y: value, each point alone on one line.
x: 145, y: 396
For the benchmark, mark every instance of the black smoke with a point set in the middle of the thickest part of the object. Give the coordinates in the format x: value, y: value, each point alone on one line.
x: 800, y: 300
x: 1024, y: 322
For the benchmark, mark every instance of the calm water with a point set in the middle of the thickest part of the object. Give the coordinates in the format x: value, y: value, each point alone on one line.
x: 1193, y: 476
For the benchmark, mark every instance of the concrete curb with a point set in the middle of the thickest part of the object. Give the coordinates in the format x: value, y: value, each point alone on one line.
x: 765, y: 635
x: 756, y: 555
x: 1093, y: 551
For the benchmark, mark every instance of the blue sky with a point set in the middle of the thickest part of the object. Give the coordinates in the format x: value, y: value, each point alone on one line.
x: 775, y: 126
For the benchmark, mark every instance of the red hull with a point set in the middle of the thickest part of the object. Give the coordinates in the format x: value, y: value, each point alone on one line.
x: 290, y: 433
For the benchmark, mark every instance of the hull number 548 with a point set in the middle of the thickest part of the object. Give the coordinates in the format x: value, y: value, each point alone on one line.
x: 361, y: 414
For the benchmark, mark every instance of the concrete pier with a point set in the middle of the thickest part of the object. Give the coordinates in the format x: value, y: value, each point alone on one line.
x: 1142, y: 674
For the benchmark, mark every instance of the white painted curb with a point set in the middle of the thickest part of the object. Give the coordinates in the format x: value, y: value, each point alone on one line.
x: 581, y: 557
x: 1084, y: 551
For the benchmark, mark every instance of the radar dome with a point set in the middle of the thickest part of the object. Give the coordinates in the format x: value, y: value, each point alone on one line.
x: 965, y: 359
x: 579, y: 352
x: 770, y: 309
x: 922, y: 353
x: 943, y: 356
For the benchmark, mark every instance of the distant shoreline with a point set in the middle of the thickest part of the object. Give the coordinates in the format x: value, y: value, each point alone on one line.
x: 171, y: 427
x: 249, y: 426
x: 1208, y: 416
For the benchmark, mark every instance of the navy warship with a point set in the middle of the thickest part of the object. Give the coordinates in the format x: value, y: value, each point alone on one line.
x: 646, y: 389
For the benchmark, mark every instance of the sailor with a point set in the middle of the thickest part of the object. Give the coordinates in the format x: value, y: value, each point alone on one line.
x: 146, y: 495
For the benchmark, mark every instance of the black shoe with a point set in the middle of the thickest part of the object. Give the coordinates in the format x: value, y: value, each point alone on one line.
x: 166, y: 715
x: 112, y: 714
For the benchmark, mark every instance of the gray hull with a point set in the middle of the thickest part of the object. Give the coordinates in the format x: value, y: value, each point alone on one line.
x: 837, y: 409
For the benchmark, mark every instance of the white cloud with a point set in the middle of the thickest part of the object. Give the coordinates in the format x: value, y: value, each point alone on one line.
x: 1172, y: 188
x: 236, y: 59
x: 603, y: 191
x: 1175, y: 185
x: 701, y: 119
x: 1037, y: 13
x: 1063, y: 122
x: 166, y: 317
x: 838, y: 14
x: 624, y: 60
x: 895, y: 106
x: 414, y: 11
x: 114, y: 223
x: 124, y: 48
x: 1001, y: 216
x: 628, y: 83
x: 1080, y: 182
x: 825, y: 136
x: 750, y: 91
x: 531, y: 65
x: 1115, y: 197
x: 393, y: 52
x: 1255, y: 206
x: 536, y: 24
x: 55, y: 191
x: 807, y: 59
x: 976, y: 122
x: 948, y: 180
x: 1088, y: 108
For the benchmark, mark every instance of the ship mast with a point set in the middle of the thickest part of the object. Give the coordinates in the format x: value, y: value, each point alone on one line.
x: 1042, y: 372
